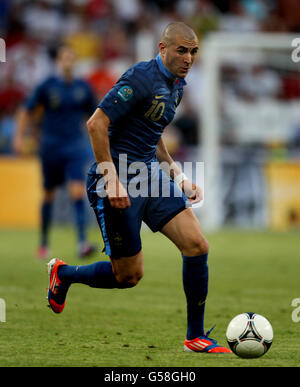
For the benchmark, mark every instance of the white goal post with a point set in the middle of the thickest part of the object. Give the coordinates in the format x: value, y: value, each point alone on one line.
x: 216, y: 48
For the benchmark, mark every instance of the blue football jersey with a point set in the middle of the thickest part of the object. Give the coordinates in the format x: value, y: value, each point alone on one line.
x: 141, y: 104
x: 66, y: 106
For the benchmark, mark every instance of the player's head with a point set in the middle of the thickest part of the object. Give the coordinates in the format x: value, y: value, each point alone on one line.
x: 65, y: 58
x: 178, y: 48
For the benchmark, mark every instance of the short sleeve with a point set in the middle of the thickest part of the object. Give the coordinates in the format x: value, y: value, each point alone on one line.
x: 130, y: 90
x: 36, y: 98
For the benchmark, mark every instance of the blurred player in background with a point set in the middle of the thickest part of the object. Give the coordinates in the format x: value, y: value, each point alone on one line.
x: 130, y: 120
x: 63, y: 102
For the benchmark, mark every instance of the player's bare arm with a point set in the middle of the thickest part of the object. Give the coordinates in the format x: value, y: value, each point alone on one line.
x: 25, y: 118
x: 192, y: 191
x: 98, y: 131
x: 22, y: 122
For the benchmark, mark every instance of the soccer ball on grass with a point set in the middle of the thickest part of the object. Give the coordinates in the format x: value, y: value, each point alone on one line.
x: 249, y: 335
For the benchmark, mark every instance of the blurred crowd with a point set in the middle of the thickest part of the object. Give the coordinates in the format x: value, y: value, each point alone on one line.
x: 111, y: 35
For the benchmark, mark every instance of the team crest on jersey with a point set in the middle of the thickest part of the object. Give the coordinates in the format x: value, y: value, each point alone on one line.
x: 125, y: 93
x: 54, y: 98
x: 79, y: 94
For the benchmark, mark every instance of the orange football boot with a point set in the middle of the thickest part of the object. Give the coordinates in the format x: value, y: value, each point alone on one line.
x: 204, y: 344
x: 57, y: 291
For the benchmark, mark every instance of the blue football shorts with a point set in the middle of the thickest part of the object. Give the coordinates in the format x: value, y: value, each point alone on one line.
x: 59, y: 168
x: 121, y: 228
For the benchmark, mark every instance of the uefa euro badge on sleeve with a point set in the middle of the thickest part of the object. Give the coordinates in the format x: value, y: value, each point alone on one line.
x: 125, y: 93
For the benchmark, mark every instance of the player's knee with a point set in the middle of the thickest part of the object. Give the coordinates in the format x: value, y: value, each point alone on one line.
x: 48, y: 196
x: 129, y: 280
x: 76, y: 190
x: 196, y: 246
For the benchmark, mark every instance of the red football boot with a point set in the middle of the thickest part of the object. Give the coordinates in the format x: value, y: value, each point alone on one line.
x: 57, y: 291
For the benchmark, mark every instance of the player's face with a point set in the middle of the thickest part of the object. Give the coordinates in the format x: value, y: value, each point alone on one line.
x: 179, y: 55
x: 66, y: 59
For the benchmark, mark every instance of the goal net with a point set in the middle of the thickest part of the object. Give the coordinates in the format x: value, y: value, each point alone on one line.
x: 250, y: 131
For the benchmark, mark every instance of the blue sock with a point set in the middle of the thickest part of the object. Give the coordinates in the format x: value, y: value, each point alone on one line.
x: 96, y: 275
x: 195, y: 284
x: 79, y: 208
x: 46, y: 215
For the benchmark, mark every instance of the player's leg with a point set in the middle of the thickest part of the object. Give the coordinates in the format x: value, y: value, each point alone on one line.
x: 120, y: 273
x: 185, y: 232
x: 168, y: 214
x: 77, y: 193
x: 121, y: 234
x: 46, y: 218
x: 53, y: 176
x: 124, y: 272
x: 75, y: 170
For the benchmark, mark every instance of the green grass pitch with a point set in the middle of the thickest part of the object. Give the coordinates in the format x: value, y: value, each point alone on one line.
x: 145, y: 326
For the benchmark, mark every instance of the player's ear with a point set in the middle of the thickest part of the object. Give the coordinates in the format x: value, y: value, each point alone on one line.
x: 162, y: 48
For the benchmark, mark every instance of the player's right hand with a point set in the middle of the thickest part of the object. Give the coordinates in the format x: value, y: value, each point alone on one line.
x: 18, y: 145
x: 192, y: 191
x: 117, y: 195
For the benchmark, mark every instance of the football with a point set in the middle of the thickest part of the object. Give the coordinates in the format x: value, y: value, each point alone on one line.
x: 249, y: 335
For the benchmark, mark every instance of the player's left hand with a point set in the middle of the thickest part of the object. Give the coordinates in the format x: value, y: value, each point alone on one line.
x: 192, y: 191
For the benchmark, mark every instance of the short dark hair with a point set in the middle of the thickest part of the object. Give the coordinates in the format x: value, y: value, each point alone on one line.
x: 177, y: 28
